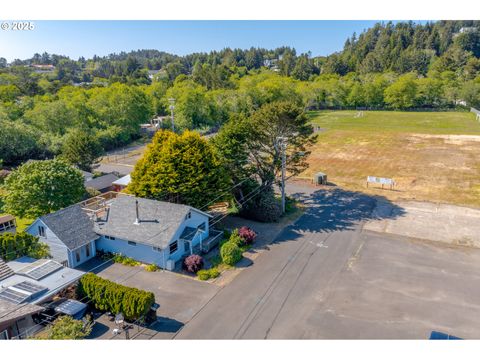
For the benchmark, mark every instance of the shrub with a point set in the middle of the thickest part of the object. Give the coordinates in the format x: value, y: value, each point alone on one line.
x: 248, y: 235
x: 208, y: 274
x: 106, y: 295
x: 230, y: 253
x: 264, y: 208
x: 193, y: 263
x: 67, y: 328
x: 151, y: 267
x: 235, y: 238
x: 122, y: 259
x: 13, y: 246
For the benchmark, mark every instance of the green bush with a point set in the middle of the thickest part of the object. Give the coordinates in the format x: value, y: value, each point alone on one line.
x: 208, y: 274
x: 235, y: 238
x: 122, y: 259
x: 151, y: 267
x: 230, y: 253
x: 109, y: 296
x: 264, y: 208
x: 67, y: 328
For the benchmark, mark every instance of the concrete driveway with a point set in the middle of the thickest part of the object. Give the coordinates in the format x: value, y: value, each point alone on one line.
x: 325, y: 277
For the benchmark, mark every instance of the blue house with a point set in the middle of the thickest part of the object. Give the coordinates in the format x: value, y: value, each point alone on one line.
x: 149, y: 231
x: 69, y: 234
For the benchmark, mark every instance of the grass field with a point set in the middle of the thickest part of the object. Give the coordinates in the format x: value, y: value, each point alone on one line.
x: 431, y: 156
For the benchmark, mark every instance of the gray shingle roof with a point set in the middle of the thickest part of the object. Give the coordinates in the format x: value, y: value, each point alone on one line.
x: 10, y: 312
x: 5, y: 270
x: 159, y: 220
x: 101, y: 182
x: 71, y: 225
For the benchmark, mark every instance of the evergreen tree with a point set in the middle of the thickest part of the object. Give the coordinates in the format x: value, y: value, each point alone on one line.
x: 182, y: 168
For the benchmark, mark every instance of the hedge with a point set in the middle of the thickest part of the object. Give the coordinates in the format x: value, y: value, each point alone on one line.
x: 107, y: 295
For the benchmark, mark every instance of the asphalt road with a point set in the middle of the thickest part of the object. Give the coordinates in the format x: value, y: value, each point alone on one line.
x: 324, y: 277
x: 305, y: 257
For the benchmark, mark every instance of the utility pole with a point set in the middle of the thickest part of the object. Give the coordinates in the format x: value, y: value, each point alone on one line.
x: 282, y: 141
x: 172, y: 106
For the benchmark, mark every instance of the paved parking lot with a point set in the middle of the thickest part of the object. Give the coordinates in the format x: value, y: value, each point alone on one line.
x: 327, y: 278
x: 180, y: 297
x: 424, y: 220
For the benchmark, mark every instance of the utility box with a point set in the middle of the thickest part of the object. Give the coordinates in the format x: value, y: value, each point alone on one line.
x: 320, y: 178
x: 170, y: 265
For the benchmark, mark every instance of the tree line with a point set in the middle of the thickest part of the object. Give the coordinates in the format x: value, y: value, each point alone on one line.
x: 43, y: 115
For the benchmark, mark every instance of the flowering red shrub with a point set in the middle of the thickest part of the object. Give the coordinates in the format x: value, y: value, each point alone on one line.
x: 247, y: 234
x: 193, y: 263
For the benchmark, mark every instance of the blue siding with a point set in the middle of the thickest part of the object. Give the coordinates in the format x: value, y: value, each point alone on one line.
x: 139, y: 252
x: 146, y: 253
x: 82, y: 251
x: 58, y: 250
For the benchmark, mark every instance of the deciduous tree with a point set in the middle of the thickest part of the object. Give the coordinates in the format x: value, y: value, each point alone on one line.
x: 39, y: 187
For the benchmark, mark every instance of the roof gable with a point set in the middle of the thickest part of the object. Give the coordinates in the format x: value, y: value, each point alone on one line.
x: 71, y: 225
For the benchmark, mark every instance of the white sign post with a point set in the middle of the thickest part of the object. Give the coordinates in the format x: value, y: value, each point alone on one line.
x: 381, y: 181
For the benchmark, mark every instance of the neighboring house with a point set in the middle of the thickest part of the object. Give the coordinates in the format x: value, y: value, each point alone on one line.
x: 8, y: 224
x: 102, y: 183
x: 87, y: 176
x: 122, y: 183
x: 25, y: 284
x: 149, y: 231
x: 68, y: 233
x: 42, y: 69
x: 17, y: 319
x: 152, y: 73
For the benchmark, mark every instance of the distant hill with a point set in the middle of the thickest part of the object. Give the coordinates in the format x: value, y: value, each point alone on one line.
x: 407, y: 46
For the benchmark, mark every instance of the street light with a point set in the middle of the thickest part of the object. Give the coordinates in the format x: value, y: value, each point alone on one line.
x: 172, y: 106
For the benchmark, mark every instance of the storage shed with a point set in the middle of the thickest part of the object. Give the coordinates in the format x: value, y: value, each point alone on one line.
x: 320, y: 178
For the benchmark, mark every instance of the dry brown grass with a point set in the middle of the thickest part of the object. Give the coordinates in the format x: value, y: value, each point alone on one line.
x: 433, y: 167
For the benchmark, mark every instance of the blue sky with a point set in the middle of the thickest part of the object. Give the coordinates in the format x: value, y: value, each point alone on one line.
x: 86, y: 38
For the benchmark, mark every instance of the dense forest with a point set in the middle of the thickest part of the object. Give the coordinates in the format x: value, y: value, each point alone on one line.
x: 47, y: 99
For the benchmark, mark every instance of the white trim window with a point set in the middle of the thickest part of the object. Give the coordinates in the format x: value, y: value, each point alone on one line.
x: 132, y: 243
x: 157, y: 249
x: 109, y: 237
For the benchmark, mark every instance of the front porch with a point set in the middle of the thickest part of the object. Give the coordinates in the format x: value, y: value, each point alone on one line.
x: 205, y: 245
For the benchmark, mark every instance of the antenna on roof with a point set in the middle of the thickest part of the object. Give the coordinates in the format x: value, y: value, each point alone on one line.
x: 137, y: 219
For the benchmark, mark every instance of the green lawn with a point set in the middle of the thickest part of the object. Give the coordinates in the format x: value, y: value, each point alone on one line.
x: 413, y: 122
x: 22, y: 224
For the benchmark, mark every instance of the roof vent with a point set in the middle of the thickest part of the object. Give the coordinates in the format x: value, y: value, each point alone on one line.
x: 137, y: 218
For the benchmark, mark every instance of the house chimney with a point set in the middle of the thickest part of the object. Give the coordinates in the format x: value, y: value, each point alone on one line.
x: 137, y: 219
